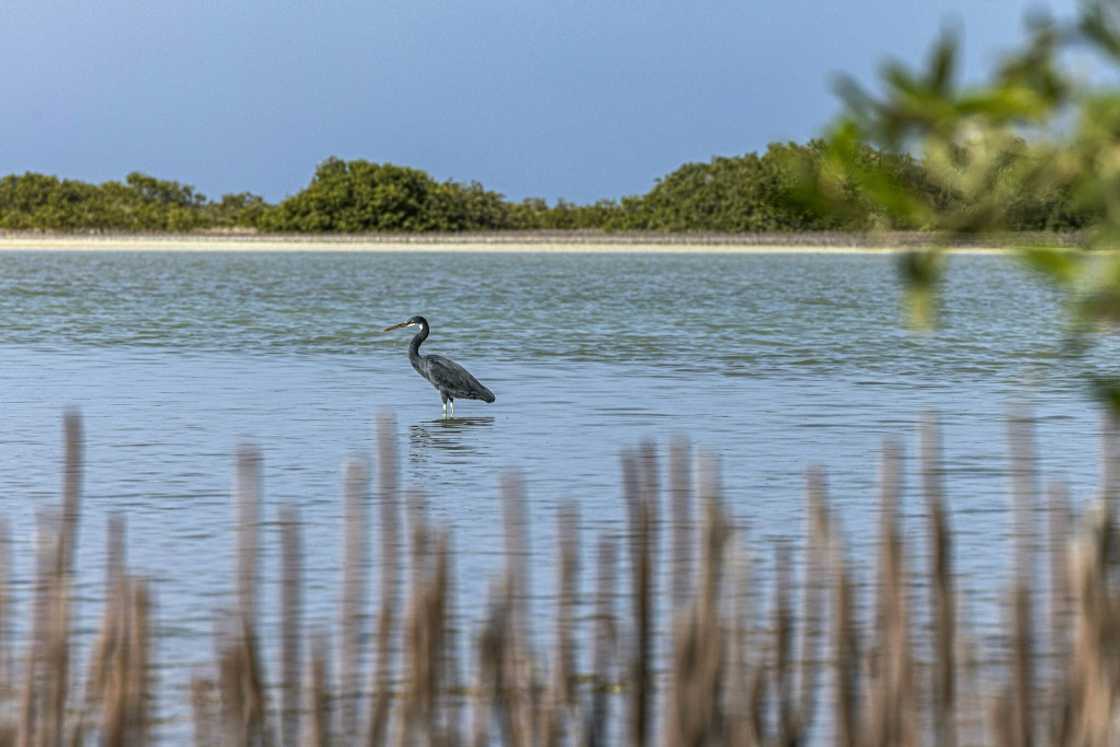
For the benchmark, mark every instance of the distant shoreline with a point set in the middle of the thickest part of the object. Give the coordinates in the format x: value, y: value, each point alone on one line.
x: 532, y: 242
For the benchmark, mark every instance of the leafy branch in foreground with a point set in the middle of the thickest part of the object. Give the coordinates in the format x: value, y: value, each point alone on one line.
x: 1032, y: 137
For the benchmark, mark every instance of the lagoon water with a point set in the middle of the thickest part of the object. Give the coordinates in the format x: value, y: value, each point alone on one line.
x: 772, y: 362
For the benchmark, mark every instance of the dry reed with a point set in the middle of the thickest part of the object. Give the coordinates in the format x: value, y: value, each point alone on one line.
x: 725, y: 678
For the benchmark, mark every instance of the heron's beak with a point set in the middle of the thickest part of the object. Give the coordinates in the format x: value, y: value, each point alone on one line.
x: 396, y: 326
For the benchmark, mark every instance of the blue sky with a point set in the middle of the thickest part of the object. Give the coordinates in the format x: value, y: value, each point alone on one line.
x: 577, y: 99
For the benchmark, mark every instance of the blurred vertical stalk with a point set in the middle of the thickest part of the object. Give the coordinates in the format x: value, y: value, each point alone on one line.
x: 291, y: 624
x: 356, y: 492
x: 389, y: 499
x: 639, y: 476
x: 942, y: 600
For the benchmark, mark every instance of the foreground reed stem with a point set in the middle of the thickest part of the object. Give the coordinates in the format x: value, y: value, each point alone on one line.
x: 724, y: 678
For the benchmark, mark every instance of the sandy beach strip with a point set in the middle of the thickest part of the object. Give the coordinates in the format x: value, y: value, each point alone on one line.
x: 484, y: 243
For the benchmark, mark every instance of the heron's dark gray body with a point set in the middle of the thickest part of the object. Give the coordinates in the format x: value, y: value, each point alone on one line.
x: 451, y: 380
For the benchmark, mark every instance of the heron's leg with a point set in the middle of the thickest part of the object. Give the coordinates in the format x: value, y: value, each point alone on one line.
x: 452, y: 408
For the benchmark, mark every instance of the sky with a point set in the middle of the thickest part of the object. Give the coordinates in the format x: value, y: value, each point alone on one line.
x: 573, y: 99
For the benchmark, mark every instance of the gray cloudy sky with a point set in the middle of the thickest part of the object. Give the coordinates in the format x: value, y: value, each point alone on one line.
x: 580, y: 99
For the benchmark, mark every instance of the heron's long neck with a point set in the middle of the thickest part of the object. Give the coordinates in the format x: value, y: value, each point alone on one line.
x: 414, y: 346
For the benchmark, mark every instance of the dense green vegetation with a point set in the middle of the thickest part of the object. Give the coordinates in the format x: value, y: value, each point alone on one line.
x: 141, y: 203
x: 740, y: 194
x: 359, y: 196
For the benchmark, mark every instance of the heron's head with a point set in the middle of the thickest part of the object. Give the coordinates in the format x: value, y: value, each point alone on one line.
x: 417, y: 321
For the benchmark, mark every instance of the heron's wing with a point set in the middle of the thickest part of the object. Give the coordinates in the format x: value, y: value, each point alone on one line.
x: 448, y: 375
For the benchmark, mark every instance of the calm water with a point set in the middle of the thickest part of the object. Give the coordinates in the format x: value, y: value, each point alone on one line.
x: 772, y: 362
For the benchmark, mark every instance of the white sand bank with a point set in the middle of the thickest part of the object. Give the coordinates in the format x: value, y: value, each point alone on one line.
x: 544, y: 245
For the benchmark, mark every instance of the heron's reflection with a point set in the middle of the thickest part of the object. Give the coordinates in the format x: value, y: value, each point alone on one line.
x: 449, y: 435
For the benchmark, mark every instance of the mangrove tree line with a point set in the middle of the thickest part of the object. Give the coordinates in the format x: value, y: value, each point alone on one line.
x: 755, y: 192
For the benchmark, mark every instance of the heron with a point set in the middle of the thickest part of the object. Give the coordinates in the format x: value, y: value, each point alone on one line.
x: 449, y: 378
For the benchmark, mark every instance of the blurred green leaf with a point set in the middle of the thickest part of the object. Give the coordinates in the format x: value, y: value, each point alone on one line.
x: 943, y: 64
x: 1099, y: 26
x: 1033, y: 145
x: 921, y: 272
x: 1059, y: 265
x: 1106, y: 389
